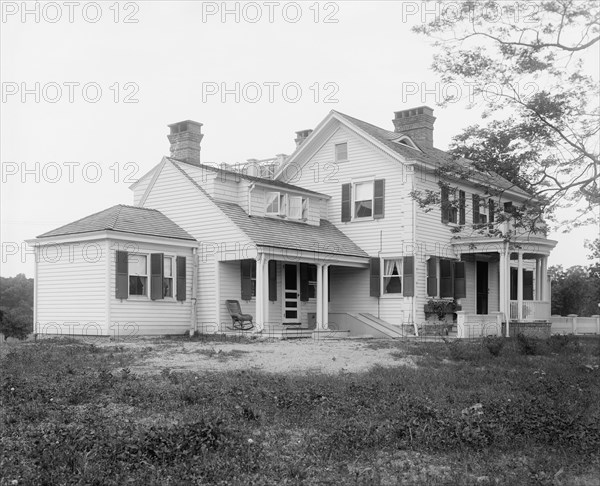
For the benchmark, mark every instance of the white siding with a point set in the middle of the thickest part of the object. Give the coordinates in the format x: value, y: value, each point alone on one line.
x: 71, y: 296
x: 219, y: 239
x: 391, y: 235
x: 141, y: 315
x: 142, y: 185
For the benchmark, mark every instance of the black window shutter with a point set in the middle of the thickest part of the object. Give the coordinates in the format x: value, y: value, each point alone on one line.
x: 475, y: 209
x: 460, y: 282
x: 445, y: 205
x: 375, y: 272
x: 432, y: 277
x: 513, y: 283
x: 527, y: 284
x: 246, y: 273
x: 272, y: 280
x: 181, y: 278
x: 462, y: 199
x: 121, y: 275
x: 156, y: 275
x: 346, y: 202
x: 491, y: 211
x: 378, y: 198
x: 408, y: 276
x: 446, y: 280
x: 304, y: 282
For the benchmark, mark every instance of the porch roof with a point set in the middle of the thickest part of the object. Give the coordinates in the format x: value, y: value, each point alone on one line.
x: 482, y: 244
x: 271, y: 232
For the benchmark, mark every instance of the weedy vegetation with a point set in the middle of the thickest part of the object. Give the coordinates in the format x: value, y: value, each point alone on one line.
x: 496, y: 411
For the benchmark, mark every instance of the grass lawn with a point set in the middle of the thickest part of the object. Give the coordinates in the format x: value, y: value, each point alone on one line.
x: 505, y: 412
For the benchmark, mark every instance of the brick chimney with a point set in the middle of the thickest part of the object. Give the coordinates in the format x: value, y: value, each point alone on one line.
x: 417, y: 123
x: 301, y: 136
x: 185, y: 138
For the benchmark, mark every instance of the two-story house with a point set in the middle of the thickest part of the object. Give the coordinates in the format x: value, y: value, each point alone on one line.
x: 332, y: 238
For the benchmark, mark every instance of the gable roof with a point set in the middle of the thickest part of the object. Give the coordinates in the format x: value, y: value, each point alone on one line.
x: 125, y: 219
x: 278, y: 233
x: 433, y: 157
x: 238, y: 175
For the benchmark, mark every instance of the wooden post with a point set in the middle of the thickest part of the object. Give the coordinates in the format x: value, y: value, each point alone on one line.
x: 520, y: 287
x: 319, y: 296
x: 573, y: 318
x: 460, y: 324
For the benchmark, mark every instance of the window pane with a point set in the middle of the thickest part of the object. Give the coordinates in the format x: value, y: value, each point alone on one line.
x: 394, y: 285
x: 341, y: 151
x: 168, y: 267
x: 295, y: 211
x: 363, y: 209
x: 272, y: 202
x: 137, y: 264
x: 137, y: 285
x: 167, y: 287
x: 363, y: 191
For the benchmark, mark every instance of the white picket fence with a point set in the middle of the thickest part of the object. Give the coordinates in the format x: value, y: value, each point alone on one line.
x: 573, y: 324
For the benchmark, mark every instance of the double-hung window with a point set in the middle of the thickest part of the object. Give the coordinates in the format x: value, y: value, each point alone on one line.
x: 363, y: 199
x: 274, y: 203
x: 138, y: 274
x: 168, y: 277
x: 392, y: 276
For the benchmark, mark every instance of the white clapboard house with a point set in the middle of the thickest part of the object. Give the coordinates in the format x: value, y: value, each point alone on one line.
x: 328, y: 239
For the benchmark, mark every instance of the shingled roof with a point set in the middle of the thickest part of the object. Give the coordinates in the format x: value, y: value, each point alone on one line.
x: 240, y: 175
x: 125, y: 219
x: 433, y: 156
x: 264, y: 231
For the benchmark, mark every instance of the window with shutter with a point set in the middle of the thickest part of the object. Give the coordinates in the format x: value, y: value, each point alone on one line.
x: 272, y: 280
x: 378, y: 198
x: 462, y: 199
x: 346, y: 202
x: 121, y: 275
x: 460, y: 283
x: 445, y: 205
x: 138, y: 274
x: 432, y: 277
x: 408, y: 276
x: 446, y: 278
x: 375, y: 276
x: 181, y: 278
x: 156, y: 275
x: 248, y: 279
x: 475, y: 209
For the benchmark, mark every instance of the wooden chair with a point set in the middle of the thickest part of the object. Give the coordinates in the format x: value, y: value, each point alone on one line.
x: 239, y: 320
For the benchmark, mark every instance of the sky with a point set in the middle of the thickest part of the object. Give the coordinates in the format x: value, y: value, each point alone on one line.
x: 88, y: 89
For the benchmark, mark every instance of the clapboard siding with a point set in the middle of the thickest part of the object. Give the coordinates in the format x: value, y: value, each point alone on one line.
x: 141, y: 186
x: 182, y: 202
x: 350, y: 291
x: 143, y: 316
x: 71, y: 295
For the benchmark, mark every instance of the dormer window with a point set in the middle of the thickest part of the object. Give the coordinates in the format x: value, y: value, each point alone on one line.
x: 286, y: 206
x: 275, y: 203
x: 341, y: 152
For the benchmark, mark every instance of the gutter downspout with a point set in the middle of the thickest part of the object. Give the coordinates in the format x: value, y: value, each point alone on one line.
x: 194, y: 320
x: 414, y: 245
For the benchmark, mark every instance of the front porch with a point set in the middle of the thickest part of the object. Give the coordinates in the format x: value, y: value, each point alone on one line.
x: 518, y: 289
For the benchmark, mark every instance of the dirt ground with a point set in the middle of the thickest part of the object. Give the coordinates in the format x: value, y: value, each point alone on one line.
x: 273, y: 356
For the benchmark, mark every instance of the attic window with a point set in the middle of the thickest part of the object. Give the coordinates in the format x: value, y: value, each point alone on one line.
x: 407, y: 142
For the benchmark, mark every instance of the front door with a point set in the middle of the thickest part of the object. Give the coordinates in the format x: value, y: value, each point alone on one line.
x: 482, y: 287
x: 291, y: 287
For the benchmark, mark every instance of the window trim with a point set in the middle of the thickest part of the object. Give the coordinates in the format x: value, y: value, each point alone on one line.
x: 383, y: 275
x: 267, y: 203
x: 353, y: 199
x: 146, y: 295
x: 335, y: 152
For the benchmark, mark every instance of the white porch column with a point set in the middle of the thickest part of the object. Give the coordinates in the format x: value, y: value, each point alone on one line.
x: 520, y: 287
x: 266, y: 306
x: 502, y: 284
x: 319, y: 295
x: 545, y: 291
x: 260, y: 286
x: 325, y: 305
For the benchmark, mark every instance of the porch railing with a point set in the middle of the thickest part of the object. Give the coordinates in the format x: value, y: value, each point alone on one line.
x: 531, y: 310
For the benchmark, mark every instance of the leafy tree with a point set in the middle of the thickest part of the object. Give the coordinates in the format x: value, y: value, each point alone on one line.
x: 16, y: 306
x: 525, y: 63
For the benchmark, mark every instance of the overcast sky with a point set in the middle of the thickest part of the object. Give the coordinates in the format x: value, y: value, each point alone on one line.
x: 88, y: 91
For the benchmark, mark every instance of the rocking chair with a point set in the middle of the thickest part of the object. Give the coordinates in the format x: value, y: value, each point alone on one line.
x: 241, y: 322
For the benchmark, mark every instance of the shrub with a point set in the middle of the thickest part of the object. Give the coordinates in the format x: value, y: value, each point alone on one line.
x: 494, y: 345
x: 527, y: 345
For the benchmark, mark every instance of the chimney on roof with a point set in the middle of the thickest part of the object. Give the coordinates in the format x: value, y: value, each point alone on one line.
x: 301, y: 136
x: 185, y: 138
x: 417, y: 123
